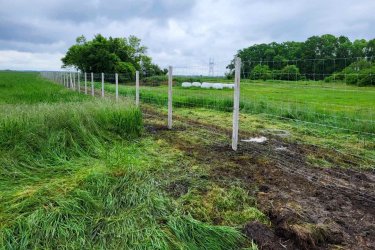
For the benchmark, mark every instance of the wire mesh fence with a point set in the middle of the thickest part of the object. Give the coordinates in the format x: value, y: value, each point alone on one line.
x: 320, y: 101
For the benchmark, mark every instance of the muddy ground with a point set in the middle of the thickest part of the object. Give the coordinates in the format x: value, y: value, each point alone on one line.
x: 310, y: 207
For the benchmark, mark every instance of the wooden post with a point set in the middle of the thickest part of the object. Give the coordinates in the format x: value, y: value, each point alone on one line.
x: 170, y: 82
x: 92, y: 85
x: 137, y: 88
x: 85, y: 83
x: 116, y: 78
x: 102, y: 84
x: 236, y: 103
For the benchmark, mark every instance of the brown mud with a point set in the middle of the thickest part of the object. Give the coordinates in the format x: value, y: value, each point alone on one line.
x: 310, y: 207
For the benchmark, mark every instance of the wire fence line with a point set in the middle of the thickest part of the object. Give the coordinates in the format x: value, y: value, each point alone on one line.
x: 207, y: 103
x: 343, y: 111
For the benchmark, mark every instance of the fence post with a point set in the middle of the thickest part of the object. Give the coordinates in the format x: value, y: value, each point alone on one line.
x: 236, y: 103
x: 170, y: 82
x: 85, y: 83
x: 137, y: 88
x: 92, y: 84
x: 102, y: 84
x: 79, y: 83
x: 74, y: 81
x: 116, y: 78
x: 70, y: 78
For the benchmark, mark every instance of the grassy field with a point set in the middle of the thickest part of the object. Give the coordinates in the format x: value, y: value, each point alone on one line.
x: 332, y: 116
x: 334, y: 105
x: 82, y: 173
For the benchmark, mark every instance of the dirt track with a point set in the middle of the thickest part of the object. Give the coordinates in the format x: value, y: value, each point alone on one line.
x: 310, y: 207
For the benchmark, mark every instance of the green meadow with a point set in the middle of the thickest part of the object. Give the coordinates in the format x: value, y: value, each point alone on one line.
x: 335, y: 105
x: 334, y: 116
x: 84, y: 173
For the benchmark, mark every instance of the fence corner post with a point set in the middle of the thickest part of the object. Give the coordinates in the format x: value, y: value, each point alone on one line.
x: 170, y: 83
x: 236, y: 103
x: 137, y: 88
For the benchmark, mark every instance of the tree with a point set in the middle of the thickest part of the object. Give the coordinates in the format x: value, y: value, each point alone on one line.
x: 316, y: 58
x: 110, y: 55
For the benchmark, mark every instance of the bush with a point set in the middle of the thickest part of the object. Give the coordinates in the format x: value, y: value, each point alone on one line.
x: 155, y: 80
x: 359, y: 73
x: 289, y: 73
x: 261, y: 72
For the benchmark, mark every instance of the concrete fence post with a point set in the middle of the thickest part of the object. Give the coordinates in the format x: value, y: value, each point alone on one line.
x: 102, y: 84
x: 236, y: 103
x: 116, y: 79
x: 74, y: 81
x: 92, y: 85
x: 170, y: 83
x: 137, y: 88
x: 79, y: 83
x: 85, y: 83
x: 71, y: 81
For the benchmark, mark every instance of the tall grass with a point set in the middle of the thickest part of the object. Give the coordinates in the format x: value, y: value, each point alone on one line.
x: 78, y: 175
x: 36, y: 137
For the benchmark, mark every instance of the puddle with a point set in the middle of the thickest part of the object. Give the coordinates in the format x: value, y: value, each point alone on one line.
x: 281, y: 149
x: 256, y: 139
x: 278, y: 132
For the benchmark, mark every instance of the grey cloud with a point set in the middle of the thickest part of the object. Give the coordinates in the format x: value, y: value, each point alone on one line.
x: 11, y: 30
x: 180, y: 31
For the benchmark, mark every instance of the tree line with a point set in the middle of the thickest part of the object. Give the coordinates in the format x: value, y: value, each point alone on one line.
x: 111, y: 55
x: 314, y: 59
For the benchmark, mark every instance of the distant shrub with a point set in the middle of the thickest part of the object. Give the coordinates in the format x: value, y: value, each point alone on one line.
x: 289, y: 73
x: 262, y: 72
x: 361, y: 73
x: 155, y: 80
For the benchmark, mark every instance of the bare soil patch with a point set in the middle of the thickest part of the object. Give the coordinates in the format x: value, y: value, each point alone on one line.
x: 309, y: 207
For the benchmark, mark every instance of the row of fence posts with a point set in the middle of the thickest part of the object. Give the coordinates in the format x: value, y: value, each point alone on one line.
x: 69, y: 81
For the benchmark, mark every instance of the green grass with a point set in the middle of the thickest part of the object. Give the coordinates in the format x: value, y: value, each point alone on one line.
x: 81, y: 173
x: 337, y: 105
x: 29, y: 87
x: 334, y: 116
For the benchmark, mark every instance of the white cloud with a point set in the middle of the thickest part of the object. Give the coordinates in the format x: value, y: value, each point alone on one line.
x: 16, y: 60
x: 177, y: 32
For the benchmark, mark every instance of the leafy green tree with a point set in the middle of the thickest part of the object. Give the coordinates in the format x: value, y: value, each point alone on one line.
x: 370, y: 50
x: 110, y: 55
x: 316, y: 58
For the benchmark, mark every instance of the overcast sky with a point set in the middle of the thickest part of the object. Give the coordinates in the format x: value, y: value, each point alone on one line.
x: 35, y: 34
